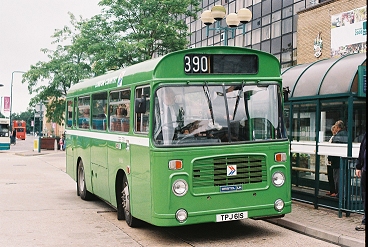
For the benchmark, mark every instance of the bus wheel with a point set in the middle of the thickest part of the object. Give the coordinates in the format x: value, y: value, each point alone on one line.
x: 125, y: 205
x: 81, y: 183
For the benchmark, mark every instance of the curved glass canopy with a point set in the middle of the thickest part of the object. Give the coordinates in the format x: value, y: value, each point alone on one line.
x: 324, y: 77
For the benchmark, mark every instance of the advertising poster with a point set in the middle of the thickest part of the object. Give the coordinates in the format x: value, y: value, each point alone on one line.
x: 349, y: 32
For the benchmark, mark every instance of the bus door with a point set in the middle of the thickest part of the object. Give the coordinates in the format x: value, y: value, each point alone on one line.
x: 71, y: 168
x: 140, y: 155
x: 118, y: 152
x: 99, y: 165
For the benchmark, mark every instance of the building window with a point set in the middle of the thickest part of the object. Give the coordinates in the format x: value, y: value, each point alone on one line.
x: 266, y: 7
x: 287, y: 25
x: 266, y: 20
x: 276, y: 45
x: 256, y: 36
x: 256, y: 12
x: 286, y: 12
x: 266, y: 32
x: 276, y: 29
x: 276, y: 5
x: 266, y: 46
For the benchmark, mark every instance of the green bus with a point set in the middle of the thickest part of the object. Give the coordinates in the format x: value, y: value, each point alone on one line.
x: 190, y: 137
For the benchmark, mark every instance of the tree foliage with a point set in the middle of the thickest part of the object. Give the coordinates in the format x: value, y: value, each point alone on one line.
x: 66, y: 66
x: 125, y: 33
x: 143, y: 28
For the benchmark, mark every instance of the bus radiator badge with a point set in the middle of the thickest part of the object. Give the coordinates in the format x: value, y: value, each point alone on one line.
x: 231, y: 170
x: 231, y: 188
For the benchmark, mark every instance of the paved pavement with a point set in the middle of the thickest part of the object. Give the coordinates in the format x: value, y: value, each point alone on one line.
x: 320, y: 223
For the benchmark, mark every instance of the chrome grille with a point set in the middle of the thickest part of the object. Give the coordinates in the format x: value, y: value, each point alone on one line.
x: 212, y: 172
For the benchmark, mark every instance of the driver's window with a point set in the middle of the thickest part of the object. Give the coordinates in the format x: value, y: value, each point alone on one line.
x: 142, y: 119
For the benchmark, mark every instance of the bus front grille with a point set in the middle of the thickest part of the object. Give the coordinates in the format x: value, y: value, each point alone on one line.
x: 213, y: 172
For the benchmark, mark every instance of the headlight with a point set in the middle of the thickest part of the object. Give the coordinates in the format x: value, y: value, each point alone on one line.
x: 278, y: 179
x: 279, y: 205
x: 180, y: 187
x: 181, y: 215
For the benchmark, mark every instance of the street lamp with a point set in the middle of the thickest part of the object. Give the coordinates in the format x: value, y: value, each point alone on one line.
x: 11, y: 96
x: 218, y: 12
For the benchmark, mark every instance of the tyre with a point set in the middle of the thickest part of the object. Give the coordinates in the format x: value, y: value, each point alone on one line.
x: 81, y: 183
x: 125, y: 205
x: 119, y: 189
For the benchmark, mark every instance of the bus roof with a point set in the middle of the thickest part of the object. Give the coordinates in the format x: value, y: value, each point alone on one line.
x: 4, y: 120
x: 171, y: 66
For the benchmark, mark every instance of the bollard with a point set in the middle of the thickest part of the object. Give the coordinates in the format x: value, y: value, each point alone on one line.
x: 35, y: 144
x: 39, y: 144
x: 55, y: 145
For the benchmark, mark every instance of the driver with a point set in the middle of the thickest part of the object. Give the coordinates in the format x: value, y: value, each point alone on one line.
x: 166, y: 117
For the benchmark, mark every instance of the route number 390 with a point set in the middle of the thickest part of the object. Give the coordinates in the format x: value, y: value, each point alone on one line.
x: 196, y: 64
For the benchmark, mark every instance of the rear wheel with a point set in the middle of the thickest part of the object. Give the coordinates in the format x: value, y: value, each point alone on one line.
x: 81, y: 183
x: 125, y: 205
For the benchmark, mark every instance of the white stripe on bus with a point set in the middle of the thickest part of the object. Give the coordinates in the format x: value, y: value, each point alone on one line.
x: 135, y: 140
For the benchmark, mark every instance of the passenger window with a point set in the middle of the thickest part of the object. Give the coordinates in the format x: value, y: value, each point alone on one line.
x: 69, y: 118
x: 83, y: 112
x: 119, y: 111
x: 99, y: 111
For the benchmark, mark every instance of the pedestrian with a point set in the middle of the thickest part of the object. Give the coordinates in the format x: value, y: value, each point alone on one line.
x: 13, y: 136
x: 330, y: 178
x: 61, y: 143
x: 360, y: 171
x: 341, y: 136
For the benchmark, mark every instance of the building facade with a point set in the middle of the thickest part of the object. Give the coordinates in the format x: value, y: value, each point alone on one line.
x: 275, y: 26
x: 337, y: 22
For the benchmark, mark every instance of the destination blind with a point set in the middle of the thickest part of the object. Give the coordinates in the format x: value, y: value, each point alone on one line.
x: 221, y: 64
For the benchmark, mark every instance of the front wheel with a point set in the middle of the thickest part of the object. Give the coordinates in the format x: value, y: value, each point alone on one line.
x: 81, y: 184
x: 125, y: 205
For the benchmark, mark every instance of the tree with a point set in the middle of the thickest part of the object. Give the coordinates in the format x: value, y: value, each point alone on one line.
x: 66, y: 67
x: 125, y: 33
x: 133, y: 31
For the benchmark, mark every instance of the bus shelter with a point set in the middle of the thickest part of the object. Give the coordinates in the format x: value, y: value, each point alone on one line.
x: 318, y: 95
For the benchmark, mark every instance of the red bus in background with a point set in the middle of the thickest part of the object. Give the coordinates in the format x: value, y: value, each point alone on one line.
x: 20, y: 128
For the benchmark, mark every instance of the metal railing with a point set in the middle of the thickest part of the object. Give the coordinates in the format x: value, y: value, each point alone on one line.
x: 350, y: 191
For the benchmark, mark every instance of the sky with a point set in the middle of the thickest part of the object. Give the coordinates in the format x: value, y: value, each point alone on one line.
x: 26, y: 27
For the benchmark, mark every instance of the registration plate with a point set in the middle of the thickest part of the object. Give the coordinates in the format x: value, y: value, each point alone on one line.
x: 232, y: 216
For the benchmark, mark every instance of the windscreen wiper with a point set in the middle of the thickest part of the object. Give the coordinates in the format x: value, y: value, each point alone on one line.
x: 208, y: 96
x: 238, y: 99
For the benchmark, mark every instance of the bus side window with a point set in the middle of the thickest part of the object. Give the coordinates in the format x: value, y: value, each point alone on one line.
x: 69, y: 118
x: 99, y: 111
x: 83, y: 112
x: 75, y: 110
x: 142, y: 119
x: 119, y: 111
